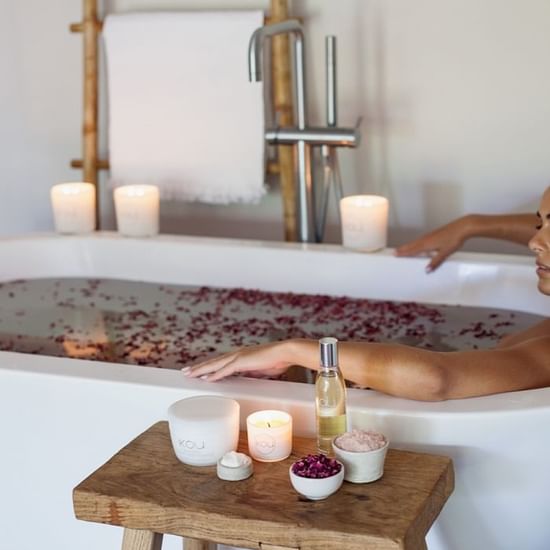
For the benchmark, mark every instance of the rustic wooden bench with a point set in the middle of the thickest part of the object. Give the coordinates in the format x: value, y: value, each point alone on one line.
x: 146, y: 490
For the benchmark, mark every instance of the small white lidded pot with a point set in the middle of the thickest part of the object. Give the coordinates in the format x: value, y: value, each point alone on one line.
x: 234, y: 466
x: 361, y: 466
x: 204, y: 428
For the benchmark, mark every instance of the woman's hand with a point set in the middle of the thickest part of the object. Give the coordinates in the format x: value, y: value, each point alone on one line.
x: 270, y: 359
x: 439, y: 244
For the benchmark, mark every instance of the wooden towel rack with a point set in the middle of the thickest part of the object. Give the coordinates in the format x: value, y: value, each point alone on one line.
x: 91, y: 26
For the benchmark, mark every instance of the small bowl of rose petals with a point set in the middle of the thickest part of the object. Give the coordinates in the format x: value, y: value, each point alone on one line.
x: 316, y: 476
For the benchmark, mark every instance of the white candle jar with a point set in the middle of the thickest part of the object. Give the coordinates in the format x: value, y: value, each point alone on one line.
x: 364, y: 222
x: 269, y: 435
x: 137, y: 210
x: 73, y: 206
x: 204, y: 428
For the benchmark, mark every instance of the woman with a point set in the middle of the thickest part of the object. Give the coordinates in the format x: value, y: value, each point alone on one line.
x: 520, y: 361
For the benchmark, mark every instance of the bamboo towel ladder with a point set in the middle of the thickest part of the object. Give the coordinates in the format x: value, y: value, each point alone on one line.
x: 90, y: 27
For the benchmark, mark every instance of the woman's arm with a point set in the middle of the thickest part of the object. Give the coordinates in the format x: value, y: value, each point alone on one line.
x: 536, y: 331
x: 401, y: 371
x: 445, y: 240
x: 434, y: 376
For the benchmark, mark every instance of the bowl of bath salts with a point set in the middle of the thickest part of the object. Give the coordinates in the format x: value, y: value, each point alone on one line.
x: 362, y: 452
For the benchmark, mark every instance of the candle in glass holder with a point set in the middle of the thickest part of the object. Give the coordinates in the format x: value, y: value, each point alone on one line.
x: 364, y: 222
x: 137, y: 210
x: 269, y: 435
x: 73, y: 206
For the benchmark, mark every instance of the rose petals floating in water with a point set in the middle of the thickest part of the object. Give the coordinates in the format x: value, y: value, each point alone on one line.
x: 171, y: 326
x: 316, y: 466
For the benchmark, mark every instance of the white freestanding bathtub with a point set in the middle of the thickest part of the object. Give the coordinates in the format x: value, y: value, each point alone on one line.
x: 62, y: 418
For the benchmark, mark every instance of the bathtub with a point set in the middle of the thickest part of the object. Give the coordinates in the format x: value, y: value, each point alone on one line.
x: 62, y: 418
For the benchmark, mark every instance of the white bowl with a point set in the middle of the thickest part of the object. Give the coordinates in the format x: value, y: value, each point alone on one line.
x: 362, y: 466
x: 316, y: 488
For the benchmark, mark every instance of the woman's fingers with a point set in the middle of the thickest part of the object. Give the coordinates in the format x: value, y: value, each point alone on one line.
x: 209, y: 366
x: 439, y: 245
x: 227, y: 370
x: 435, y: 262
x: 439, y: 258
x: 414, y: 248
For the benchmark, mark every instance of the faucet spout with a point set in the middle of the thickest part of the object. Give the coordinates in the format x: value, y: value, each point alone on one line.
x: 255, y: 59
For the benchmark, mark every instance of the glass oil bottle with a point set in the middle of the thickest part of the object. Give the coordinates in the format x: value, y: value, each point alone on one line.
x: 330, y: 396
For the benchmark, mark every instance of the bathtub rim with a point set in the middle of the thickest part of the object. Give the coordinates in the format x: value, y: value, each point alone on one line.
x: 282, y: 393
x: 524, y: 400
x: 456, y: 257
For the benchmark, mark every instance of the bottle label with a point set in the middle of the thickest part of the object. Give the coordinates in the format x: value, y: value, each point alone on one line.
x: 331, y: 426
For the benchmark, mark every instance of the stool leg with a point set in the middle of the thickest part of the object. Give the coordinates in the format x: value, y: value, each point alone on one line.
x: 140, y: 539
x: 197, y: 544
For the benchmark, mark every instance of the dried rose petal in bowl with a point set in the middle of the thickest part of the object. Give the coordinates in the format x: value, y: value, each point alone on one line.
x: 316, y: 476
x: 316, y: 467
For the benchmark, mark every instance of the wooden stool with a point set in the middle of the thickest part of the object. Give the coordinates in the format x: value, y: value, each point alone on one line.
x: 145, y: 489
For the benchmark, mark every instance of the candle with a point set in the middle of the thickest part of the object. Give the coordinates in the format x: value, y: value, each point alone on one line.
x: 137, y: 210
x: 364, y: 222
x: 73, y: 206
x: 269, y: 435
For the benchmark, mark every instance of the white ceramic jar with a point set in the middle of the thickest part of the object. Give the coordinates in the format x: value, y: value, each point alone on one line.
x: 204, y: 428
x: 362, y: 466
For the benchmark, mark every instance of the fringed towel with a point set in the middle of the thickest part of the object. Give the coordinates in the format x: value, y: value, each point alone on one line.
x: 182, y: 113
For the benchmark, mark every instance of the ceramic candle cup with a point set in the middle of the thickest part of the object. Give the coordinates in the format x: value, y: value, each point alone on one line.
x: 137, y: 210
x: 204, y: 428
x: 73, y: 206
x: 364, y: 222
x: 269, y: 435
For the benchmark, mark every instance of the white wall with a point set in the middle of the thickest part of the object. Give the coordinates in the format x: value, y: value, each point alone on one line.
x: 455, y: 96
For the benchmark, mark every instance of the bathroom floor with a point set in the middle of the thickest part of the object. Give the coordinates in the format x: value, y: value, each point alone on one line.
x: 171, y: 326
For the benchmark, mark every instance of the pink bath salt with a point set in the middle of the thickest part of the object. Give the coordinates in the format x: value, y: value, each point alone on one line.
x: 360, y: 441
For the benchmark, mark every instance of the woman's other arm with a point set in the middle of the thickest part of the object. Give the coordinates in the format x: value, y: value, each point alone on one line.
x: 442, y: 242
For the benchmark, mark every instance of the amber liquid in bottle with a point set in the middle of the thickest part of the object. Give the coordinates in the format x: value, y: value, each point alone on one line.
x: 330, y: 397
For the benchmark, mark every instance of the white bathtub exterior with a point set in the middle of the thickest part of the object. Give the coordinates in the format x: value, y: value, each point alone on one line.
x: 62, y: 418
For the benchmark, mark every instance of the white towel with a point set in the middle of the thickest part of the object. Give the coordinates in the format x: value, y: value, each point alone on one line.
x: 182, y: 113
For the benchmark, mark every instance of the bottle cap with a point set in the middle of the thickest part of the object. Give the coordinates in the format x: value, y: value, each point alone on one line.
x: 328, y: 348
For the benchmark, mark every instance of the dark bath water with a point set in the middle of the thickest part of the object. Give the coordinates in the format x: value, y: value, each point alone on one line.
x: 171, y: 326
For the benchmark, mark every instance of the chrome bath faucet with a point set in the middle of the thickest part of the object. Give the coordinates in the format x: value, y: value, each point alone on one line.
x: 311, y: 224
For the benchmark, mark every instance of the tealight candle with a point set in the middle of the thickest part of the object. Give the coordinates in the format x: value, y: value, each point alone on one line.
x: 137, y: 210
x: 364, y: 222
x: 73, y: 206
x: 269, y: 435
